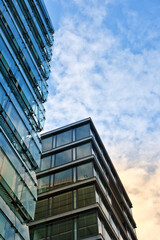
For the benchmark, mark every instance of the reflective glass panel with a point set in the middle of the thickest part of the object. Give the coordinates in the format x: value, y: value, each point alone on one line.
x: 46, y: 144
x: 63, y: 178
x: 83, y: 150
x: 85, y: 171
x: 43, y: 184
x: 83, y: 132
x: 45, y: 163
x: 63, y: 157
x: 64, y: 138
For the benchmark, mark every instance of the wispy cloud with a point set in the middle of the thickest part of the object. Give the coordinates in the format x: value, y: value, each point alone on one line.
x: 95, y: 74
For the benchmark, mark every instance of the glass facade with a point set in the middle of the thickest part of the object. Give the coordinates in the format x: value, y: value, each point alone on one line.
x: 77, y: 182
x: 26, y: 38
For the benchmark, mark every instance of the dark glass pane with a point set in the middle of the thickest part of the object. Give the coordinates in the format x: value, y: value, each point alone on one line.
x: 83, y: 150
x: 83, y: 131
x: 87, y: 225
x: 62, y: 230
x: 43, y: 184
x: 85, y: 171
x: 64, y: 138
x: 63, y: 157
x: 63, y: 178
x: 38, y: 233
x: 41, y: 209
x: 45, y: 163
x: 62, y: 203
x: 46, y: 144
x: 86, y: 196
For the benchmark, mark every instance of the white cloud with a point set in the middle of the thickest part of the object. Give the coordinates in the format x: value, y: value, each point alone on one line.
x: 94, y: 75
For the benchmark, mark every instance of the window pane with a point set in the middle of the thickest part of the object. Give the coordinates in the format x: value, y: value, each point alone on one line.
x: 85, y: 171
x: 43, y: 184
x: 62, y: 230
x: 63, y: 157
x: 46, y: 144
x: 63, y: 178
x: 82, y: 132
x: 38, y: 233
x: 83, y: 150
x: 86, y: 196
x: 41, y: 209
x: 45, y: 163
x: 64, y: 138
x: 62, y: 203
x: 87, y: 225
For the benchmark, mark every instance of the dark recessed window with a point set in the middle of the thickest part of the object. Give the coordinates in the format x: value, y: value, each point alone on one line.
x: 87, y: 225
x: 62, y: 230
x: 41, y: 209
x: 86, y: 196
x: 62, y: 203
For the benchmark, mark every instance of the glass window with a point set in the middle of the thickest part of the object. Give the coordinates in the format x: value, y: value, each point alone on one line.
x: 63, y: 178
x: 62, y: 230
x: 45, y: 163
x: 83, y: 131
x: 87, y: 225
x: 46, y: 144
x: 64, y: 138
x: 85, y: 171
x: 62, y: 203
x: 83, y: 150
x: 38, y: 233
x: 41, y: 209
x: 43, y: 184
x: 86, y: 196
x: 63, y: 157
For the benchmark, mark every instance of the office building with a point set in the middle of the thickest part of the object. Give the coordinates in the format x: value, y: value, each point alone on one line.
x: 80, y: 195
x: 26, y: 37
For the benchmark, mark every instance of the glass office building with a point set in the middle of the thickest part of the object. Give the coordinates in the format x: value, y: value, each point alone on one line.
x: 80, y: 195
x: 26, y: 37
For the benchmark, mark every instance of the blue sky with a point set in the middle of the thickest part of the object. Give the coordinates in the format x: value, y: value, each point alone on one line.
x: 106, y: 61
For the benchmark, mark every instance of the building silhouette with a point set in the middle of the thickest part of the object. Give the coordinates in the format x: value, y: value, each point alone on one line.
x: 80, y: 195
x: 26, y: 37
